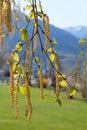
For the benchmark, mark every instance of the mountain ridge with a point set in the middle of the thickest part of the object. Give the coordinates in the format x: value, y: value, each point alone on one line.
x: 78, y: 31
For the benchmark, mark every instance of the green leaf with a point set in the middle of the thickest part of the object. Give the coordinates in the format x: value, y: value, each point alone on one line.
x: 54, y: 42
x: 83, y: 40
x: 50, y: 50
x: 85, y: 62
x: 29, y: 72
x: 32, y: 14
x: 52, y: 57
x: 72, y: 90
x: 28, y: 7
x: 81, y: 53
x: 38, y: 72
x: 4, y: 6
x: 63, y: 83
x: 40, y: 14
x: 34, y: 24
x: 20, y: 70
x: 39, y: 6
x: 16, y: 75
x: 17, y: 18
x: 24, y: 33
x: 15, y: 56
x: 23, y: 89
x: 19, y: 46
x: 14, y: 66
x: 38, y: 59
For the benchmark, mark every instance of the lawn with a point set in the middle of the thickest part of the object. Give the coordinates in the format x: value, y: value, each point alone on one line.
x: 47, y: 114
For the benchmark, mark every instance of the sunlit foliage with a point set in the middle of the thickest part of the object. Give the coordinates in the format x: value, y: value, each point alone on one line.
x: 21, y: 65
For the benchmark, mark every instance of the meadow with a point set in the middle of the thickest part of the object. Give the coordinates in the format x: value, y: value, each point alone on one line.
x: 47, y: 114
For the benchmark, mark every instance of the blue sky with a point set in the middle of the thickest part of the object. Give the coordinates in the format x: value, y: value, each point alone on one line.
x: 65, y: 13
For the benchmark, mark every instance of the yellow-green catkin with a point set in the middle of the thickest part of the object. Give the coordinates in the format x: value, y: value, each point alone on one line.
x: 7, y: 16
x: 1, y: 16
x: 11, y: 81
x: 57, y: 75
x: 36, y: 37
x: 1, y: 24
x: 28, y: 112
x: 46, y: 30
x: 41, y: 81
x: 16, y: 101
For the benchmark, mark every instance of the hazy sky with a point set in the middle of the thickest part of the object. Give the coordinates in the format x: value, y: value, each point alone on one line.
x: 65, y: 13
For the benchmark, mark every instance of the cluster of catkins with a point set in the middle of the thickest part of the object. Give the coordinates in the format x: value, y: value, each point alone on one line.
x: 5, y: 27
x: 5, y: 16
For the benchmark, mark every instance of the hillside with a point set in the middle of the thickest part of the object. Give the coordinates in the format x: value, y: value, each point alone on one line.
x: 67, y: 44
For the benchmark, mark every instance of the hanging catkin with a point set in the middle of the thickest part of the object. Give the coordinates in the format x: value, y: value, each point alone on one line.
x: 28, y: 112
x: 1, y: 19
x: 16, y: 100
x: 36, y: 37
x: 11, y: 81
x: 46, y: 30
x: 57, y: 75
x: 7, y: 16
x: 41, y: 81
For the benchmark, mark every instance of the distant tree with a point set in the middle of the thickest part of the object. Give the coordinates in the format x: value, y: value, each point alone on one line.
x: 2, y: 60
x: 83, y: 56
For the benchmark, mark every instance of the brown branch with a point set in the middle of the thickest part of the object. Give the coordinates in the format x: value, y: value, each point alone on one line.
x: 52, y: 62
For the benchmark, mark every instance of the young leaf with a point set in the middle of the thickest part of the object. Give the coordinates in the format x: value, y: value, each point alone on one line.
x: 28, y: 7
x: 20, y: 70
x: 41, y: 14
x: 32, y: 15
x: 16, y: 75
x: 54, y: 42
x: 19, y: 46
x: 72, y: 91
x: 52, y: 57
x: 38, y: 72
x: 63, y: 83
x: 82, y: 42
x: 39, y: 6
x: 81, y: 53
x: 50, y: 50
x: 38, y: 59
x: 15, y: 57
x: 22, y: 90
x: 4, y: 6
x: 17, y: 18
x: 14, y: 66
x: 24, y: 33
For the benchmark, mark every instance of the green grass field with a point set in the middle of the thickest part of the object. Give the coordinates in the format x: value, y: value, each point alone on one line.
x: 47, y: 114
